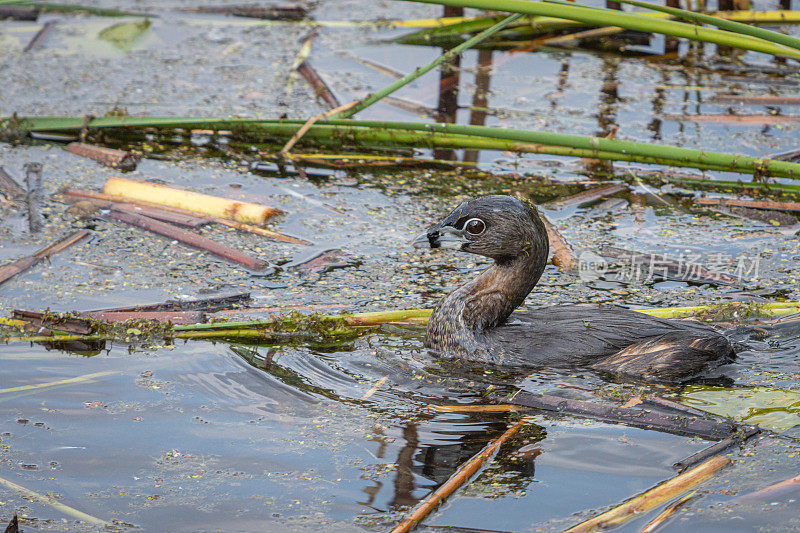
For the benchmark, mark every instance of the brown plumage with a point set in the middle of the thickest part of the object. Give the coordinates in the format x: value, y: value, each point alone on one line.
x: 477, y: 321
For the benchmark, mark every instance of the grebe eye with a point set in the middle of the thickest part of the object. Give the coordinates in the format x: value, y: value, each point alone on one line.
x: 475, y: 226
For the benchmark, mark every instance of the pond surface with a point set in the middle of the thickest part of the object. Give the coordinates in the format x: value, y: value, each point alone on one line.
x: 215, y: 436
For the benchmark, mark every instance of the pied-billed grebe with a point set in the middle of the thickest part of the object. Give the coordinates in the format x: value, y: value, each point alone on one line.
x: 475, y: 322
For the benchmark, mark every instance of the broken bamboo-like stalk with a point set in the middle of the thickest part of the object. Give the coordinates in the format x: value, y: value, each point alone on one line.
x: 190, y: 238
x: 321, y: 89
x: 21, y: 265
x: 489, y: 408
x: 109, y: 157
x: 246, y: 212
x: 654, y: 497
x: 716, y: 449
x: 769, y: 492
x: 754, y: 204
x: 212, y: 303
x: 91, y: 205
x: 218, y: 220
x: 695, y: 426
x: 164, y: 317
x: 456, y: 480
x: 669, y: 511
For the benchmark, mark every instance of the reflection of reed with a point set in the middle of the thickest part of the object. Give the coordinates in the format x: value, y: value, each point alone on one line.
x: 659, y: 99
x: 404, y: 481
x: 670, y: 42
x: 480, y: 100
x: 448, y: 88
x: 609, y: 98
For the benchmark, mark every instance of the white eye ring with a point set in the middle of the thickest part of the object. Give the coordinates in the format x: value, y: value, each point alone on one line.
x: 475, y: 226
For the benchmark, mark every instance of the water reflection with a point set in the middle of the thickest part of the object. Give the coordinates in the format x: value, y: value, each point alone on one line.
x: 480, y: 100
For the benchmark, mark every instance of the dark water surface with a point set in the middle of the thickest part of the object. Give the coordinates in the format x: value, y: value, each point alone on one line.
x: 204, y: 436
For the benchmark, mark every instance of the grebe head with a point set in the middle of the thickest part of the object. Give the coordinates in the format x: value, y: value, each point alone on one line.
x: 500, y: 227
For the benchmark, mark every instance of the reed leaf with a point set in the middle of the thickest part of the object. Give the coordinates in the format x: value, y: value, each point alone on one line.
x: 297, y: 326
x: 730, y: 25
x: 428, y: 135
x: 405, y: 80
x: 535, y: 26
x: 632, y: 21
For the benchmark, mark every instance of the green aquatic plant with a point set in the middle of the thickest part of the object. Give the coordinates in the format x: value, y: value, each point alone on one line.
x: 766, y: 406
x: 125, y: 34
x: 600, y: 17
x: 356, y: 133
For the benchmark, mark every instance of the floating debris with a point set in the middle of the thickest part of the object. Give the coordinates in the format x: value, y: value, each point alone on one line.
x: 86, y: 208
x: 563, y: 255
x: 188, y: 237
x: 323, y: 262
x: 40, y: 36
x: 218, y: 220
x: 770, y: 492
x: 125, y: 34
x: 21, y: 265
x: 33, y: 182
x: 760, y: 100
x: 757, y: 120
x: 715, y: 449
x: 212, y: 205
x: 164, y: 317
x: 321, y: 89
x: 46, y: 322
x: 9, y: 186
x: 456, y: 480
x: 256, y: 12
x: 654, y: 497
x: 590, y: 195
x: 754, y: 204
x: 19, y: 13
x: 213, y: 303
x: 708, y: 427
x: 109, y: 157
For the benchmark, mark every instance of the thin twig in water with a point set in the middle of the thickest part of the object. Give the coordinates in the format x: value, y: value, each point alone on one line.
x: 492, y: 408
x: 456, y: 480
x: 770, y: 491
x: 21, y: 265
x: 310, y: 122
x: 669, y: 511
x: 372, y: 390
x: 187, y: 237
x: 40, y: 36
x: 653, y: 497
x: 68, y: 381
x: 55, y: 504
